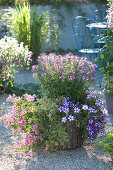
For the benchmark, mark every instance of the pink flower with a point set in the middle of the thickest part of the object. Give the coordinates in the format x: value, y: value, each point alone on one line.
x: 41, y: 139
x: 9, y: 99
x: 35, y: 128
x: 16, y: 143
x: 29, y: 97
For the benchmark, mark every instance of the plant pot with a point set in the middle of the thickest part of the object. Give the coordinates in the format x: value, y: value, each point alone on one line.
x: 75, y: 136
x: 111, y: 154
x: 109, y: 102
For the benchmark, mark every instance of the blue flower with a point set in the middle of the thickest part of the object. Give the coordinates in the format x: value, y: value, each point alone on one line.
x: 90, y: 121
x: 76, y: 110
x: 64, y: 119
x: 71, y: 118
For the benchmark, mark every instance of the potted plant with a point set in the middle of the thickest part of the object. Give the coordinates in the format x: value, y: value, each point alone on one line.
x: 107, y: 144
x: 68, y: 112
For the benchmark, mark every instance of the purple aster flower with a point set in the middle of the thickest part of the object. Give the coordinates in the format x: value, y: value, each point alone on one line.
x: 99, y: 103
x: 72, y: 105
x: 85, y: 107
x: 66, y: 110
x: 90, y: 121
x: 95, y: 117
x: 102, y: 130
x: 64, y: 119
x: 71, y: 118
x: 76, y: 110
x: 91, y: 110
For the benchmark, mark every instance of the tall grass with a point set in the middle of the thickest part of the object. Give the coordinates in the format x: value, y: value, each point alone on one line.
x: 19, y: 23
x: 28, y: 27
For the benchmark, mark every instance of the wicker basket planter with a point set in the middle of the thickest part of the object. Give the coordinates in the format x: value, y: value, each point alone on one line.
x: 75, y: 136
x: 109, y: 102
x: 111, y: 157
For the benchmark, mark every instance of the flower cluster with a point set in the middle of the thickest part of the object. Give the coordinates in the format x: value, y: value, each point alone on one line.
x: 91, y: 114
x: 61, y: 72
x: 21, y: 121
x: 67, y: 67
x: 12, y: 54
x: 110, y: 17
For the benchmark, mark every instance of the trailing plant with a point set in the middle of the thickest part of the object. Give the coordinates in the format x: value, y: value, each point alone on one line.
x: 11, y: 54
x: 90, y: 114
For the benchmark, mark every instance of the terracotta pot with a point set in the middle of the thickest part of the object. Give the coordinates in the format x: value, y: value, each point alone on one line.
x: 109, y: 102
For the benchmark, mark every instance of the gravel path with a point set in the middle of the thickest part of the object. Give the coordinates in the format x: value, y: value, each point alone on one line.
x: 88, y: 157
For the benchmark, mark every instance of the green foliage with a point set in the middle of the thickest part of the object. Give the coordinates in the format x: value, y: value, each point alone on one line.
x: 54, y: 130
x: 107, y: 143
x: 29, y: 88
x: 36, y: 31
x: 106, y: 60
x: 36, y: 120
x: 54, y: 2
x: 110, y: 3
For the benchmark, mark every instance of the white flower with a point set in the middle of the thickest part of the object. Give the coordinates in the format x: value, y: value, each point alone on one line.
x: 85, y: 107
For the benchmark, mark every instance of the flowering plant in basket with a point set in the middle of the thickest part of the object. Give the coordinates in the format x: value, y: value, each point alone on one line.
x: 36, y: 122
x: 67, y: 75
x: 90, y: 115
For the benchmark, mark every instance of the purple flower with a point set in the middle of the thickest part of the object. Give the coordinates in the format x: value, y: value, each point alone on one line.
x: 71, y: 118
x: 85, y: 107
x: 99, y: 102
x: 64, y: 119
x: 90, y: 121
x: 34, y: 67
x: 1, y: 61
x: 95, y: 117
x: 76, y: 110
x: 91, y: 110
x: 102, y: 130
x: 85, y: 78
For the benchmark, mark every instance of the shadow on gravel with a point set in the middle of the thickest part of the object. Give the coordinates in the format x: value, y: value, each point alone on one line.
x: 67, y: 160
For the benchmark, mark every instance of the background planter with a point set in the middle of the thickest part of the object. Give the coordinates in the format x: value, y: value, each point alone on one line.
x: 109, y: 102
x: 75, y: 136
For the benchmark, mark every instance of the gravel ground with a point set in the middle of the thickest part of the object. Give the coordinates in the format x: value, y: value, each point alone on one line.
x: 88, y: 157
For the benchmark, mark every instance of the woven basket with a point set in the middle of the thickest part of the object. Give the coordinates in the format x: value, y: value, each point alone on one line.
x: 111, y: 154
x: 75, y: 136
x: 109, y: 102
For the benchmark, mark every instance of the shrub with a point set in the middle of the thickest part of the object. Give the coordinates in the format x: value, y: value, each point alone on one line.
x: 11, y: 54
x: 107, y: 143
x: 37, y: 122
x: 67, y: 75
